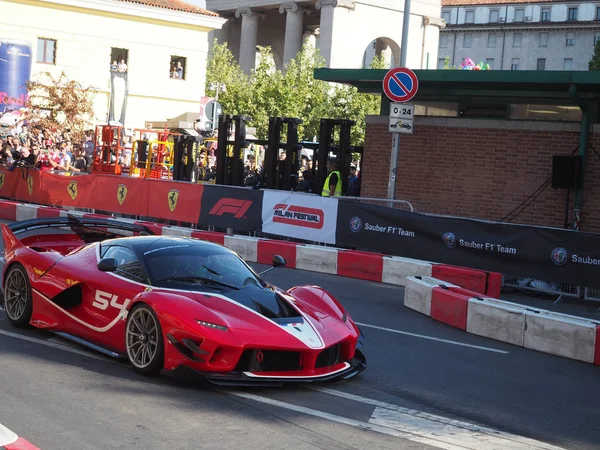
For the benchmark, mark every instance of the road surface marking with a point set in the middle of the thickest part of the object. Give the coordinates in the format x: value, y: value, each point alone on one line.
x: 409, y: 420
x: 431, y: 338
x: 53, y: 345
x: 419, y: 427
x: 7, y: 436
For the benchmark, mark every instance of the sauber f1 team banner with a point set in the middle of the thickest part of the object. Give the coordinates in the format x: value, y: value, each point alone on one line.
x: 231, y: 207
x: 300, y: 216
x: 547, y: 254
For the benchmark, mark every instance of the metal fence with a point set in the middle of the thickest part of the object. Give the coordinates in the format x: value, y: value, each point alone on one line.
x: 396, y: 204
x: 542, y: 287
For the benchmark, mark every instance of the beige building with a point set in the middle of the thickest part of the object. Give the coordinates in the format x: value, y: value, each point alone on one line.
x: 84, y: 37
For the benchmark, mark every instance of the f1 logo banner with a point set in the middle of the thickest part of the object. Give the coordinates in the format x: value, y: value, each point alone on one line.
x: 546, y: 254
x: 300, y: 216
x: 231, y: 207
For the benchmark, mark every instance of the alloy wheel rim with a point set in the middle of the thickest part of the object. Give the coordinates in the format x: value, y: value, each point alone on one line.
x: 15, y: 295
x: 142, y: 338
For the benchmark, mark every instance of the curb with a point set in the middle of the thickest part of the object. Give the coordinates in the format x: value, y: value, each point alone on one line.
x: 544, y: 331
x: 347, y: 263
x: 10, y: 441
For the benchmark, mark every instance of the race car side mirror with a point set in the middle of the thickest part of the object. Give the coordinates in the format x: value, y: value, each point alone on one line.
x: 278, y: 261
x: 107, y: 265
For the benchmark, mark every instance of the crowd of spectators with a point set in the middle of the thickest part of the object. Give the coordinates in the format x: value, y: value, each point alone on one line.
x: 43, y: 149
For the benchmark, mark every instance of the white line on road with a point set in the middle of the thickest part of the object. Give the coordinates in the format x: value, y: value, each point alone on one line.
x: 53, y: 345
x: 412, y: 421
x: 7, y: 436
x: 419, y: 427
x: 431, y: 338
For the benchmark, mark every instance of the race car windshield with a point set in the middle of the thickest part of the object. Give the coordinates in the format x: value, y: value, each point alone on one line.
x: 198, y: 268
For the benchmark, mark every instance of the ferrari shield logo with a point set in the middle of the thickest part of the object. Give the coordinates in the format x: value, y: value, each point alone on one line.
x: 72, y: 189
x: 173, y: 196
x: 1, y: 179
x: 121, y: 193
x: 30, y: 184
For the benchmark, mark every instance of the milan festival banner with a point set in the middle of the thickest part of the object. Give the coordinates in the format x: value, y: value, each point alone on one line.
x: 547, y: 254
x: 300, y: 216
x: 231, y: 207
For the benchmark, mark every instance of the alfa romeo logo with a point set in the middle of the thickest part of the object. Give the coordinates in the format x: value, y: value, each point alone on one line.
x: 449, y: 240
x: 355, y: 224
x: 559, y: 256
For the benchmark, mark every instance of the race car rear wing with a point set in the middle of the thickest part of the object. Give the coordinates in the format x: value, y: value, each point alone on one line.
x: 84, y: 226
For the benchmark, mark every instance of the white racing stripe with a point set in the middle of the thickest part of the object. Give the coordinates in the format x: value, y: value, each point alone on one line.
x: 465, y: 434
x: 431, y: 338
x: 7, y: 436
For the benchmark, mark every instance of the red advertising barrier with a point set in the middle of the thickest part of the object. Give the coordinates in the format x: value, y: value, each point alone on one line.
x: 474, y: 280
x: 169, y: 200
x: 363, y: 265
x: 268, y: 249
x: 8, y: 211
x: 494, y: 284
x: 449, y: 307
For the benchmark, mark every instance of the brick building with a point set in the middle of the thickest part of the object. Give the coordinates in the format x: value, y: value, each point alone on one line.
x: 483, y: 144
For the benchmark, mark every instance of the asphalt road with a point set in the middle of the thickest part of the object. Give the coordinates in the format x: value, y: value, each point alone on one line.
x: 59, y: 396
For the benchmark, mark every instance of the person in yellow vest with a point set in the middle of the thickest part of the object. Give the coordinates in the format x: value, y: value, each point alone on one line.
x: 333, y: 183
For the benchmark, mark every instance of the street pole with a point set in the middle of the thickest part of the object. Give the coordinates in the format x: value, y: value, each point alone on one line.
x: 396, y: 136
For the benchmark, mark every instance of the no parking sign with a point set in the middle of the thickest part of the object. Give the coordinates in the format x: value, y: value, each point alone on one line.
x: 400, y: 85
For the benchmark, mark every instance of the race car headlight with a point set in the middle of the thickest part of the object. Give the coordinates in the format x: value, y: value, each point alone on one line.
x: 212, y: 325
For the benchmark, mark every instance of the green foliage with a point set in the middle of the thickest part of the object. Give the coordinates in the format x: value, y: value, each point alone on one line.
x: 293, y: 92
x: 594, y: 64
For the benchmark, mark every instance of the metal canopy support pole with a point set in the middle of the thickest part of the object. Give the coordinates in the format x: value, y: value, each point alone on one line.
x: 224, y: 128
x: 396, y: 136
x: 583, y: 144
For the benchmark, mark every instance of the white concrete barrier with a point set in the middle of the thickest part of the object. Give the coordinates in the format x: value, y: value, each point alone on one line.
x: 72, y: 212
x: 246, y: 247
x: 26, y: 212
x: 497, y: 321
x: 317, y: 259
x: 177, y: 231
x: 396, y: 269
x: 560, y: 335
x: 417, y: 293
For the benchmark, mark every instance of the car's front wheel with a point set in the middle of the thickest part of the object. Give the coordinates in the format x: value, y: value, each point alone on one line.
x: 18, y: 302
x: 143, y: 338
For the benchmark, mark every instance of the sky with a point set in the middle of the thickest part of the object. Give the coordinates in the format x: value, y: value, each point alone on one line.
x: 200, y: 3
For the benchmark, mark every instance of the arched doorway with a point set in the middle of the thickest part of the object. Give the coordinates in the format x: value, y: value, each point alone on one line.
x: 382, y: 45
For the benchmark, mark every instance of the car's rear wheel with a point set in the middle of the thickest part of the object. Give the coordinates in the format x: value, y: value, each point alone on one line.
x: 18, y: 302
x: 144, y: 341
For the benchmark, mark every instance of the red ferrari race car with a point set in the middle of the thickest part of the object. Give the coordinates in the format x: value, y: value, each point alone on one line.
x: 165, y: 302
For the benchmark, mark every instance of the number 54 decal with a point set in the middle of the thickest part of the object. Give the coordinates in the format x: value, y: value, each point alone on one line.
x: 105, y: 299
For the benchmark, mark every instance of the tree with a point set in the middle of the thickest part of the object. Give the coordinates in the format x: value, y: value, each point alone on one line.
x: 60, y: 103
x: 292, y: 92
x: 594, y: 64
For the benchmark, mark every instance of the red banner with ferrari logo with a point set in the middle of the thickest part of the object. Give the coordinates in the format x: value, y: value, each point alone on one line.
x: 169, y: 200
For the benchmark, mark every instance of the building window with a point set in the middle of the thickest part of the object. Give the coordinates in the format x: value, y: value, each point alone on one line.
x: 517, y: 37
x: 514, y: 64
x: 490, y: 63
x: 443, y: 40
x: 568, y: 64
x: 597, y: 12
x: 494, y: 15
x: 570, y: 38
x: 470, y: 17
x: 543, y: 39
x: 541, y: 64
x: 596, y: 38
x: 446, y: 16
x: 118, y: 59
x: 46, y: 51
x: 520, y: 15
x: 467, y: 39
x: 545, y: 15
x: 441, y: 63
x: 491, y: 40
x: 177, y: 68
x: 572, y: 14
